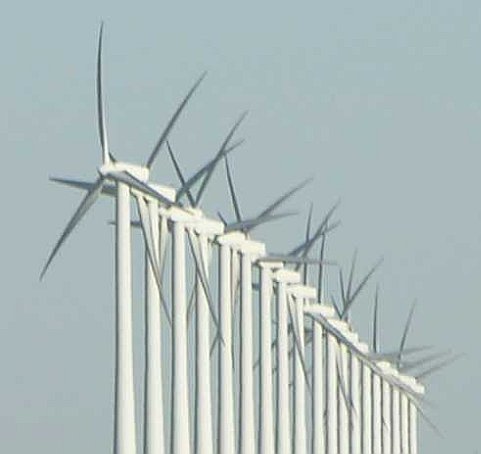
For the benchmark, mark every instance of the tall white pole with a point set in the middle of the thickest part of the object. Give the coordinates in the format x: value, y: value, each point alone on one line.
x: 386, y: 417
x: 366, y: 409
x: 124, y: 425
x: 283, y: 442
x: 203, y: 402
x: 266, y: 422
x: 355, y: 412
x: 396, y: 421
x: 283, y: 429
x: 226, y: 419
x: 317, y: 389
x: 180, y: 433
x: 153, y: 417
x: 376, y: 414
x: 247, y: 436
x: 300, y: 438
x: 404, y: 422
x: 413, y: 428
x: 331, y: 396
x: 343, y: 404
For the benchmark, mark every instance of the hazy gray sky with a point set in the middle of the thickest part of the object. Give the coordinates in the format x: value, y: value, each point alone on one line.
x: 380, y: 101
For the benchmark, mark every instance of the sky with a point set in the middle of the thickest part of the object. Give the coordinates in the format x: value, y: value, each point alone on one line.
x: 378, y: 101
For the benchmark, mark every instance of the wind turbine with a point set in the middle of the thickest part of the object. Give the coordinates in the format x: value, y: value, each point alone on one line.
x: 348, y: 294
x: 203, y: 414
x: 127, y: 179
x: 205, y: 172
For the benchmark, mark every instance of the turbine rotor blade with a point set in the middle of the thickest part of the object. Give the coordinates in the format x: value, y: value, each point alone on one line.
x: 146, y: 224
x: 163, y: 239
x: 284, y: 197
x: 351, y: 275
x: 409, y: 365
x: 306, y: 246
x: 217, y: 158
x: 426, y: 419
x: 307, y: 237
x: 249, y: 224
x: 179, y: 173
x: 203, y: 170
x: 190, y: 305
x: 335, y: 306
x: 222, y: 218
x: 172, y: 121
x: 437, y: 367
x: 89, y: 199
x: 135, y: 183
x: 100, y: 103
x: 84, y: 185
x: 320, y: 276
x: 202, y: 273
x: 392, y: 355
x: 405, y: 333
x: 343, y: 290
x: 360, y: 287
x: 343, y: 382
x: 297, y: 342
x: 291, y: 259
x: 375, y: 340
x: 235, y: 202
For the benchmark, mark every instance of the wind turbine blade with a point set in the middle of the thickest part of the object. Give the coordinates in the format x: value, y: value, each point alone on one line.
x: 366, y: 278
x: 405, y: 333
x: 146, y: 224
x: 297, y: 342
x: 100, y: 102
x: 409, y: 365
x: 319, y: 234
x: 135, y: 183
x: 217, y: 158
x: 172, y: 121
x: 343, y: 383
x: 84, y: 206
x: 342, y: 288
x: 235, y: 202
x: 179, y: 172
x: 202, y: 273
x: 107, y: 189
x: 360, y: 287
x: 222, y: 218
x: 335, y: 306
x: 203, y: 170
x: 290, y: 259
x: 427, y: 420
x: 392, y: 355
x: 250, y: 224
x: 306, y: 246
x: 235, y: 279
x: 309, y: 222
x: 285, y: 196
x: 320, y: 276
x: 375, y: 343
x: 190, y: 305
x: 213, y: 344
x: 307, y: 237
x: 437, y: 367
x: 163, y: 239
x: 351, y: 275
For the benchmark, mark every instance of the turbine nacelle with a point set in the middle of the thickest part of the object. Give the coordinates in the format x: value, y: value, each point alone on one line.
x: 140, y: 172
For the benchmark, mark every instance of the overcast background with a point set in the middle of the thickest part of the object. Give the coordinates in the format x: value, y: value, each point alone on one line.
x: 379, y: 100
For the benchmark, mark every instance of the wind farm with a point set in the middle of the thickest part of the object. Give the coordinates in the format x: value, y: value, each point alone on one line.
x: 315, y: 387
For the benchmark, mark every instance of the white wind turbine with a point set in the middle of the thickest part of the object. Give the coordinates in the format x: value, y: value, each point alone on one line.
x: 128, y: 179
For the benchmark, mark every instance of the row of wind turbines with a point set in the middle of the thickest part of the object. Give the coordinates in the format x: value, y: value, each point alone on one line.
x: 320, y: 389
